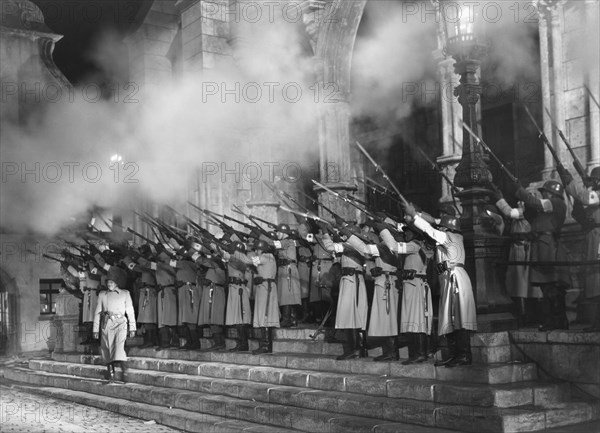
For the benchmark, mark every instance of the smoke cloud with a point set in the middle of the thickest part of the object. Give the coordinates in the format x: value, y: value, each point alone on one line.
x: 256, y: 107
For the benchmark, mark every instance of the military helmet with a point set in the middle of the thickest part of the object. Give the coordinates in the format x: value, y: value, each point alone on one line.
x: 447, y: 209
x: 553, y: 187
x: 450, y: 222
x: 595, y: 173
x: 261, y: 245
x: 283, y: 228
x: 145, y: 250
x: 237, y: 246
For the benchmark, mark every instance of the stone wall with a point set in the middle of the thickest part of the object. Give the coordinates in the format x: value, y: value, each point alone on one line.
x: 563, y: 355
x: 22, y: 261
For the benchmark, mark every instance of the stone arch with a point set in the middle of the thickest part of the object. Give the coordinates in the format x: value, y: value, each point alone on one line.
x: 334, y: 50
x: 8, y: 314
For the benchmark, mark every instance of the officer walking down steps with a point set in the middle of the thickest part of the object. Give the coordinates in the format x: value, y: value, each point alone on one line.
x: 115, y: 312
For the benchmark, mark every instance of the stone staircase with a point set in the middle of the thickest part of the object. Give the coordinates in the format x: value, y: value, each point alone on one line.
x: 301, y: 387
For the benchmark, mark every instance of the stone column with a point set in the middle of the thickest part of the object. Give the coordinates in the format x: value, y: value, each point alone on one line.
x: 558, y: 81
x: 334, y: 47
x: 546, y: 83
x: 592, y: 8
x: 149, y: 48
x: 451, y: 113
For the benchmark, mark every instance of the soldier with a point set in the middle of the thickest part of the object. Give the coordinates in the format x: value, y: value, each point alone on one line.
x: 384, y: 311
x: 416, y: 314
x: 116, y: 307
x: 457, y: 314
x: 148, y: 303
x: 266, y: 303
x: 588, y: 199
x: 352, y: 306
x: 550, y: 214
x: 288, y: 279
x: 304, y: 253
x: 90, y: 286
x: 212, y: 305
x: 320, y: 287
x: 166, y: 299
x: 518, y: 284
x: 238, y: 312
x: 188, y: 297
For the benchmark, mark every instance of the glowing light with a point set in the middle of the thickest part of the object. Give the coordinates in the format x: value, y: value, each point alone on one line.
x: 116, y: 158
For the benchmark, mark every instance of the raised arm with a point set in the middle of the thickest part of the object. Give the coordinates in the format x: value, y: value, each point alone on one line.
x: 530, y: 200
x: 438, y: 236
x: 398, y: 247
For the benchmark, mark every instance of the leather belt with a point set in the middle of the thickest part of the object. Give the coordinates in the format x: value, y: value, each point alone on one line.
x: 444, y: 267
x: 352, y: 271
x: 285, y: 262
x: 236, y: 280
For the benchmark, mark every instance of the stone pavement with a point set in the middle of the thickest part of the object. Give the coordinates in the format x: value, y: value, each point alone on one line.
x: 21, y: 411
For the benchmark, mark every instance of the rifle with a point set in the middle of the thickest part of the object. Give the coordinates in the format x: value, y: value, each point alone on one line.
x: 282, y: 194
x: 543, y: 136
x: 345, y: 198
x: 56, y: 259
x: 492, y: 154
x: 385, y: 176
x: 251, y: 218
x: 576, y: 163
x: 435, y: 168
x: 376, y: 186
x: 166, y: 231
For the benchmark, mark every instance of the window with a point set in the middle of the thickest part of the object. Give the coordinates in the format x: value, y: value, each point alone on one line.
x: 48, y: 293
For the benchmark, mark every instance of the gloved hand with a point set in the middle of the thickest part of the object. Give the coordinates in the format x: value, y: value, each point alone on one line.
x: 564, y: 174
x: 497, y: 194
x: 409, y: 212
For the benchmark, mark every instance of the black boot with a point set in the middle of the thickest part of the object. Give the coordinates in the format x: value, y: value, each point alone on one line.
x: 174, y: 337
x: 419, y: 349
x: 193, y: 342
x: 306, y: 315
x: 123, y: 365
x: 242, y: 340
x: 520, y: 312
x: 148, y: 337
x: 412, y: 348
x: 558, y: 311
x: 351, y: 345
x: 452, y: 350
x: 164, y: 338
x: 286, y: 316
x: 266, y: 345
x: 595, y: 326
x: 218, y: 337
x: 390, y: 353
x: 88, y: 333
x: 363, y: 346
x: 463, y: 346
x: 110, y: 372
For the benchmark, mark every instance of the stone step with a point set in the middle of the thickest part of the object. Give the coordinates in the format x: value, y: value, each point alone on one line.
x: 176, y: 418
x: 219, y: 362
x: 283, y: 418
x: 260, y: 380
x: 322, y: 419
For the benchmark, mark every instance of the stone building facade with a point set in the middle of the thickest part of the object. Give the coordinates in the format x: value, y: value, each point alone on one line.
x: 186, y: 36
